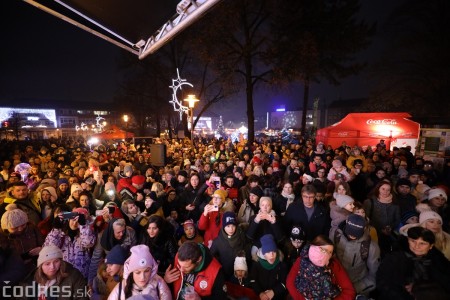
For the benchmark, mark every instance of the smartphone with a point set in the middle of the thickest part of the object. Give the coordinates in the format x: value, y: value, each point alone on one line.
x: 216, y: 181
x: 81, y: 219
x: 216, y: 208
x: 111, y: 209
x: 67, y: 215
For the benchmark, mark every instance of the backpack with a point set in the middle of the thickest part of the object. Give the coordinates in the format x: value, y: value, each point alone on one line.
x: 363, y: 249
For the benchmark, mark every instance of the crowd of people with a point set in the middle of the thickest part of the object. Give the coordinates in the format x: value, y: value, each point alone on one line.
x: 223, y: 220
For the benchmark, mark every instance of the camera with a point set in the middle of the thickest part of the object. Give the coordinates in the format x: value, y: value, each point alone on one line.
x: 67, y: 215
x: 216, y: 208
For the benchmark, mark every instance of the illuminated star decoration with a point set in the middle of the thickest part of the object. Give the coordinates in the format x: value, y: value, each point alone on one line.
x: 289, y: 120
x: 177, y: 84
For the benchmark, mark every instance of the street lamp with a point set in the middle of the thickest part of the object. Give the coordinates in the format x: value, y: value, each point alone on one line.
x: 125, y: 119
x: 191, y: 100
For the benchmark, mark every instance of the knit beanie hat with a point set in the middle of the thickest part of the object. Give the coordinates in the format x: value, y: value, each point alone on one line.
x: 127, y: 168
x: 222, y: 194
x: 257, y: 191
x: 48, y: 253
x: 402, y: 173
x: 117, y: 256
x: 140, y: 258
x: 75, y: 187
x: 240, y: 264
x: 355, y: 226
x: 308, y: 177
x: 337, y: 163
x: 81, y: 210
x: 343, y: 200
x: 268, y: 244
x: 52, y: 191
x: 424, y: 216
x: 138, y: 179
x: 403, y: 181
x: 13, y: 217
x: 297, y: 233
x: 109, y: 186
x: 436, y: 192
x: 408, y: 215
x: 153, y: 195
x: 63, y: 180
x: 48, y: 182
x: 142, y: 297
x: 229, y: 218
x: 183, y: 173
x: 188, y: 223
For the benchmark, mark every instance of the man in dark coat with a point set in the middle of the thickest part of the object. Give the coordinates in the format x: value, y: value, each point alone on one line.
x: 313, y: 218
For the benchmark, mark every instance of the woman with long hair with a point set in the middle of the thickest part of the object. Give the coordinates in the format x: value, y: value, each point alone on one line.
x: 383, y: 214
x: 140, y: 277
x: 284, y: 199
x: 159, y: 237
x: 55, y: 278
x: 192, y: 198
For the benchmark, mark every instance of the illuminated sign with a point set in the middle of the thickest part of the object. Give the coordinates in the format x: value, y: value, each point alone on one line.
x: 32, y: 118
x: 382, y: 122
x: 8, y: 112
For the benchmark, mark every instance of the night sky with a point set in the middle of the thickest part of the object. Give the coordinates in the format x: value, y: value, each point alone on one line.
x: 43, y: 57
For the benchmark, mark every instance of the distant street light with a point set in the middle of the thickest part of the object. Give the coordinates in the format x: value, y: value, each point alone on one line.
x: 125, y: 119
x: 191, y: 100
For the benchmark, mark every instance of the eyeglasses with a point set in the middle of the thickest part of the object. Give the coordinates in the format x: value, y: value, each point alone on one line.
x: 325, y: 251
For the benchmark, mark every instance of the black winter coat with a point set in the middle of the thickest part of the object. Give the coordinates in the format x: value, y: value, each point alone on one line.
x: 319, y: 223
x: 401, y: 268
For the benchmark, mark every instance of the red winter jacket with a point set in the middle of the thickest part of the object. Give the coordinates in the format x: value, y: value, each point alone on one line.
x: 340, y: 278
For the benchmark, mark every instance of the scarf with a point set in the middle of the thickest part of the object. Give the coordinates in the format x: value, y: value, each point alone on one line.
x: 315, y: 282
x: 265, y: 264
x: 422, y: 266
x: 108, y: 241
x: 236, y: 241
x: 290, y: 199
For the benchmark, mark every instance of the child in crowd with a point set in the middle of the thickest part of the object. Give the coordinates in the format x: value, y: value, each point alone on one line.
x: 190, y: 233
x: 294, y: 245
x: 109, y: 273
x: 340, y: 210
x: 408, y: 217
x: 359, y: 210
x: 238, y: 285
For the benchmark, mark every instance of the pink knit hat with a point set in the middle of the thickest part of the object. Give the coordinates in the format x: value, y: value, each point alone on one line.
x: 428, y: 215
x: 140, y: 258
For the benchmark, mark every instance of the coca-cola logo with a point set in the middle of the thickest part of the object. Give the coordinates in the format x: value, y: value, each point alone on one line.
x: 382, y: 122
